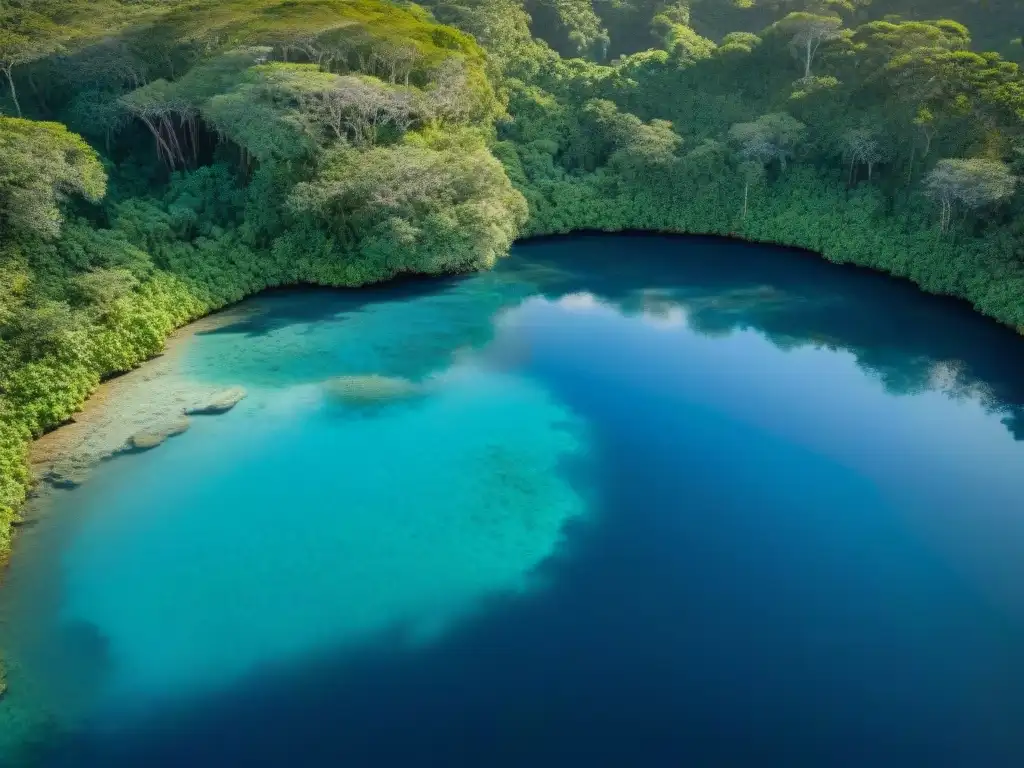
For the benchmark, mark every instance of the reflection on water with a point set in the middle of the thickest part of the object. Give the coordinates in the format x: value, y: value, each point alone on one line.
x: 725, y: 503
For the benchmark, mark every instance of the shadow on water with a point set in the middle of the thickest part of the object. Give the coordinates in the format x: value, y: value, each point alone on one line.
x: 267, y: 312
x: 624, y: 656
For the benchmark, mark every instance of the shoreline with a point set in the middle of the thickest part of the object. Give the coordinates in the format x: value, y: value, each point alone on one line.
x: 143, y: 399
x: 94, y: 434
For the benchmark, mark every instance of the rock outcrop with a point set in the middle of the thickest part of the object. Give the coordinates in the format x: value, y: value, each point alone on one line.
x: 221, y: 402
x: 151, y: 438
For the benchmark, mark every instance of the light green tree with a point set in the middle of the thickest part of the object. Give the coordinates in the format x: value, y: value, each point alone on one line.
x: 41, y: 164
x: 968, y: 184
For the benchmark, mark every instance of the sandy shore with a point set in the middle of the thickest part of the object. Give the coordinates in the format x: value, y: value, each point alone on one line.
x: 150, y: 397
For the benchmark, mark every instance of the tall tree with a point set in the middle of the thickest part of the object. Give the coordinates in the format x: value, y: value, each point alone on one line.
x: 770, y: 137
x: 41, y: 164
x: 25, y: 36
x: 809, y: 31
x: 969, y: 184
x: 862, y: 146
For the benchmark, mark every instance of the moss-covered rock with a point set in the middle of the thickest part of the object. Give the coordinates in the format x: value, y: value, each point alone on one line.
x: 372, y: 390
x: 221, y: 402
x: 151, y: 438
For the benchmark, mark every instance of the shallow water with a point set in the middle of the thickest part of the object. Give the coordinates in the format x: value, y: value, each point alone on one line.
x: 625, y: 500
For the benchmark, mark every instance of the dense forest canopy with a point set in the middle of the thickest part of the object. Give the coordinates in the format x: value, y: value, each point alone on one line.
x: 162, y: 158
x: 611, y: 28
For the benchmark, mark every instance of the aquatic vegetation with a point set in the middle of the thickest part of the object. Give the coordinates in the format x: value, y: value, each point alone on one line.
x: 69, y: 473
x: 372, y: 390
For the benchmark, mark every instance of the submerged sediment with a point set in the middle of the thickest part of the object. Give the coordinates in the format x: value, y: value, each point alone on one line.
x: 134, y: 412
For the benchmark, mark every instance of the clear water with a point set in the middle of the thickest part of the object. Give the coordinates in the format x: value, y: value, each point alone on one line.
x: 641, y: 501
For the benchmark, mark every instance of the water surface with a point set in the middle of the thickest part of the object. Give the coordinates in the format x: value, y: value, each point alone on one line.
x: 638, y: 501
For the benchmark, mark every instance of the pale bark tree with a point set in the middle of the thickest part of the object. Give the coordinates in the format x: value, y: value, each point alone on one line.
x: 398, y: 61
x: 355, y: 109
x: 753, y: 171
x: 25, y: 36
x: 771, y: 137
x: 968, y: 185
x: 861, y: 146
x: 450, y: 97
x: 157, y: 106
x: 809, y: 32
x: 776, y: 134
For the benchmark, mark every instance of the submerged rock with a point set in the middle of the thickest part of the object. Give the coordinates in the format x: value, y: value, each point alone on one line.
x: 68, y: 473
x: 222, y: 402
x: 151, y: 438
x: 372, y: 390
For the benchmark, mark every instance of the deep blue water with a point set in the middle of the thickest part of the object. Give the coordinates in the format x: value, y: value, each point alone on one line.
x: 632, y: 501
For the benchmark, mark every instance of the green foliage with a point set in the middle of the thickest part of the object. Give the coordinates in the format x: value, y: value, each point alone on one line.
x: 679, y: 39
x: 371, y: 118
x: 969, y: 184
x: 40, y: 165
x: 433, y: 205
x: 25, y: 36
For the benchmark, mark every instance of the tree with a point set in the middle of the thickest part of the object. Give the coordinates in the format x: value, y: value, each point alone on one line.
x: 882, y: 41
x: 771, y: 137
x: 41, y: 164
x: 582, y: 26
x: 451, y: 97
x: 679, y: 39
x: 809, y: 31
x: 399, y: 61
x: 413, y: 207
x: 25, y: 36
x: 752, y: 170
x: 970, y: 184
x: 924, y: 128
x: 861, y: 146
x: 155, y: 106
x: 355, y: 108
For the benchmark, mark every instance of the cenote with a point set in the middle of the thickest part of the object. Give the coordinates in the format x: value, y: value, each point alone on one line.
x: 621, y: 501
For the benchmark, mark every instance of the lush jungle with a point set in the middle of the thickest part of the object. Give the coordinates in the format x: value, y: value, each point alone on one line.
x: 160, y: 159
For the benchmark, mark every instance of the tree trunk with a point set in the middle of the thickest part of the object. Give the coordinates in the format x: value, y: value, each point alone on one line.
x: 746, y: 193
x: 14, y: 91
x: 163, y: 151
x: 40, y: 96
x: 807, y: 65
x: 947, y: 214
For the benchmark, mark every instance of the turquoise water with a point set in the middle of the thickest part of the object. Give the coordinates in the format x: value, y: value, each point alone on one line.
x: 625, y: 499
